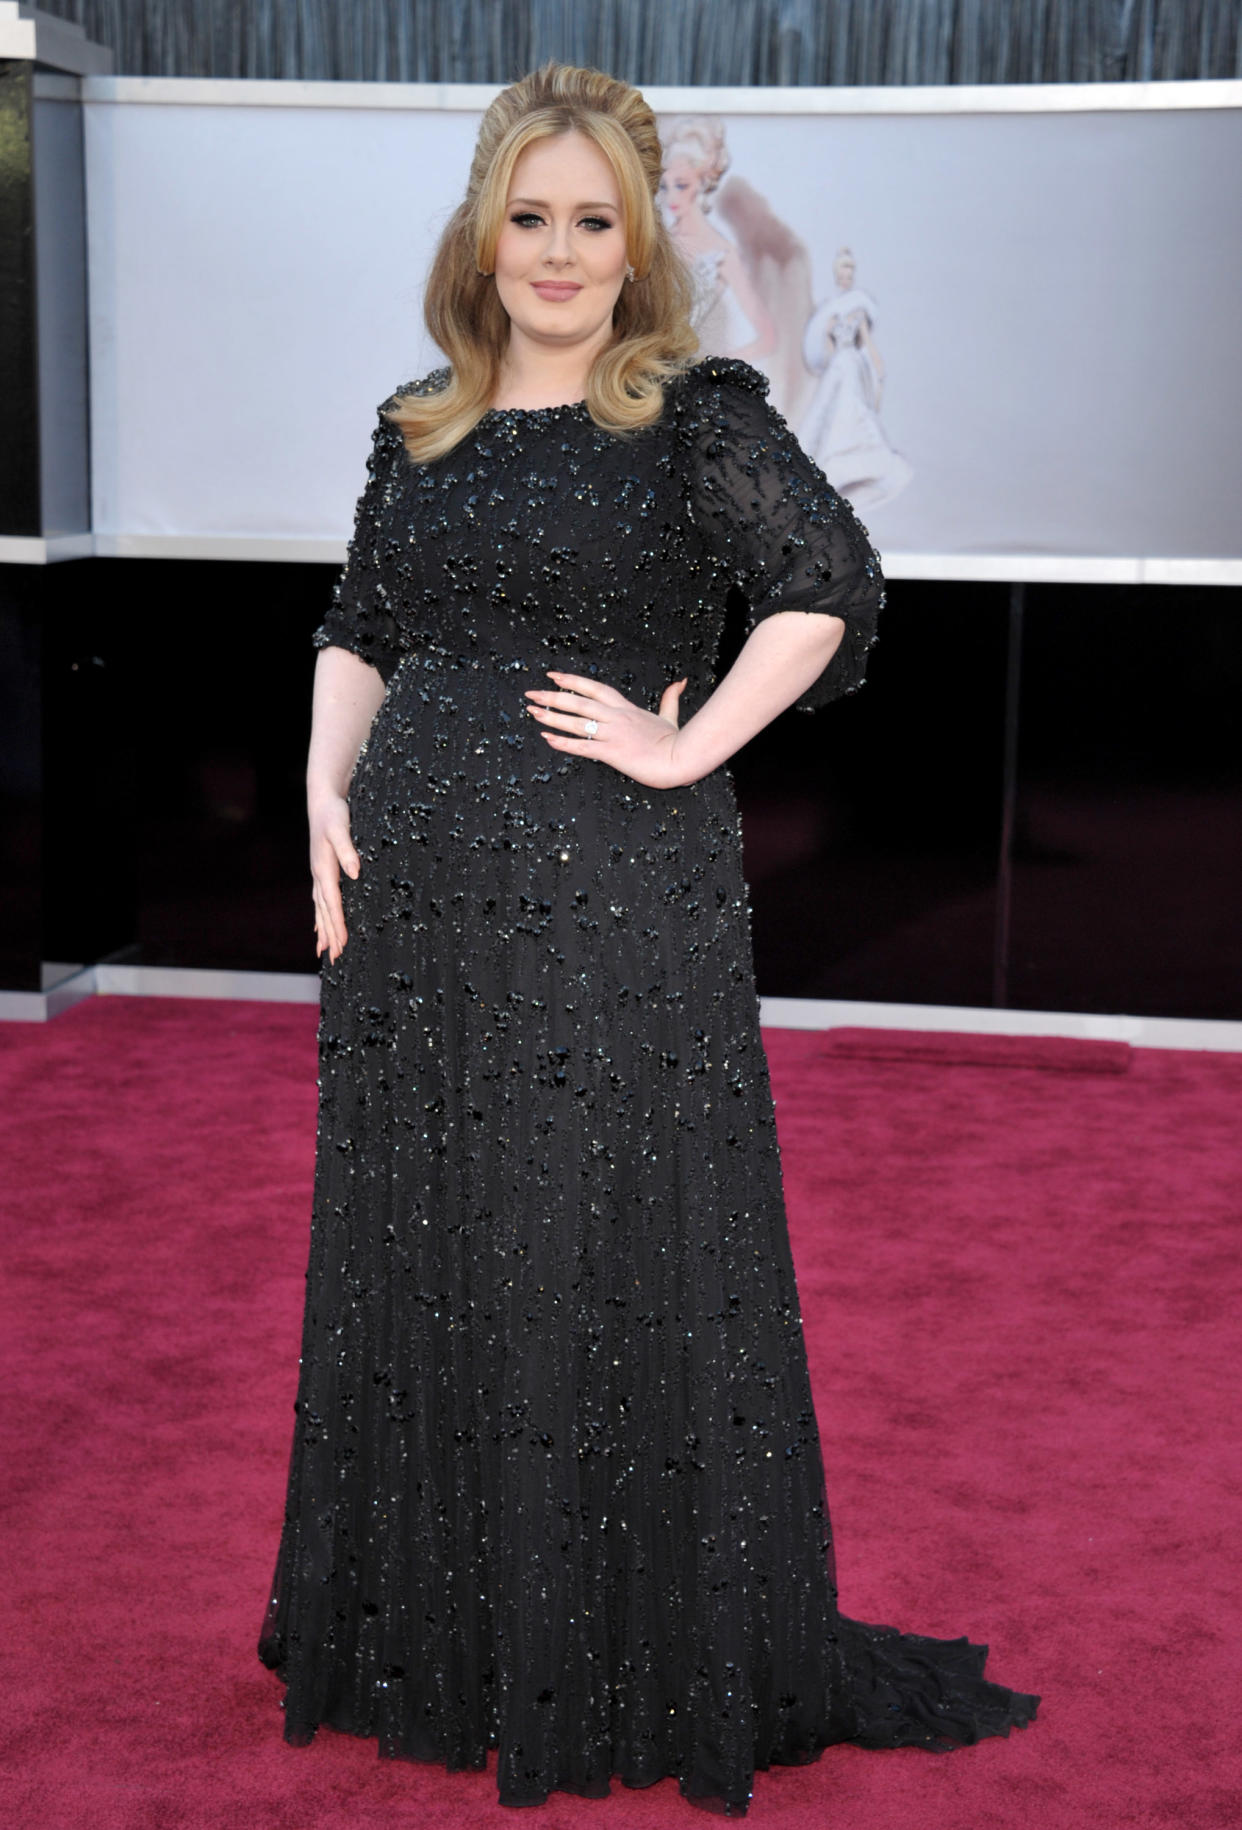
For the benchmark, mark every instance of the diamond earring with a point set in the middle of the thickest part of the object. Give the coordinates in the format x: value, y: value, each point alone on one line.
x: 629, y: 273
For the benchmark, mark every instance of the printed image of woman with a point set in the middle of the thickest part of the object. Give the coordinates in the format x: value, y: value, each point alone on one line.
x: 728, y: 314
x: 841, y: 427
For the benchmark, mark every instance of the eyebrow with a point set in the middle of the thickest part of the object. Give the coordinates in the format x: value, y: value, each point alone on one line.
x: 541, y: 204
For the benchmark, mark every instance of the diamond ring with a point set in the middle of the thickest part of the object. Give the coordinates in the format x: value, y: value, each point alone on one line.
x: 590, y: 727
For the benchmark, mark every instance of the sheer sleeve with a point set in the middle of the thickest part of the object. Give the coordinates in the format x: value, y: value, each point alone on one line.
x: 780, y: 530
x: 360, y: 616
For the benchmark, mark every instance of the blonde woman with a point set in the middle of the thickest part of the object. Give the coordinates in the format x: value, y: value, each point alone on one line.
x: 728, y: 313
x: 555, y: 1485
x: 841, y: 426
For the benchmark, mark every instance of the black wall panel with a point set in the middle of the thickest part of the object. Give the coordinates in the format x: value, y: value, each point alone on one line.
x: 1127, y: 855
x: 872, y: 827
x: 155, y: 723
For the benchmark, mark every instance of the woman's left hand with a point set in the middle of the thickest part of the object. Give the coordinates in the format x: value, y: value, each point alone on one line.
x: 632, y: 740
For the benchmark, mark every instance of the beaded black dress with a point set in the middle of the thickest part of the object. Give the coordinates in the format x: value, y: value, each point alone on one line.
x: 555, y: 1485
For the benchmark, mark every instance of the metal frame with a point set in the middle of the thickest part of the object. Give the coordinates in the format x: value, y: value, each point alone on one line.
x: 472, y: 98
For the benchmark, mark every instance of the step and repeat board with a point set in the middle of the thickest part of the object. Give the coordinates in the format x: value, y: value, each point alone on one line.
x: 1003, y: 321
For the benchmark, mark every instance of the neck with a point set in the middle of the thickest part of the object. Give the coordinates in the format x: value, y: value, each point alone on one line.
x: 532, y: 375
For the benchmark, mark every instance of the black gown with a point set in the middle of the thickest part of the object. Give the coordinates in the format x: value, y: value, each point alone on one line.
x: 556, y: 1484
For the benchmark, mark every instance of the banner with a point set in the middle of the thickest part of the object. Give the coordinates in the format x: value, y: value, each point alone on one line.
x: 1007, y: 333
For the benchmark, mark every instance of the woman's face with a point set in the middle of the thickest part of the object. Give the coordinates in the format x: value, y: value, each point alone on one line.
x: 679, y: 187
x: 843, y: 274
x: 560, y: 255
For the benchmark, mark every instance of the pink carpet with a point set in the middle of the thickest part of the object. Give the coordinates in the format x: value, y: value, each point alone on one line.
x: 1020, y: 1289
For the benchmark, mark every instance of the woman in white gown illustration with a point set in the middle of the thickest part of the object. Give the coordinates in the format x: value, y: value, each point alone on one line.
x: 729, y: 316
x: 841, y: 427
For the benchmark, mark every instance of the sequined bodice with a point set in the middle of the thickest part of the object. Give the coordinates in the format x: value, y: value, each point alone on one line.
x: 543, y: 540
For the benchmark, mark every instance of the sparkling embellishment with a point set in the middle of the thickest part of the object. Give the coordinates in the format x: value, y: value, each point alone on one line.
x: 556, y: 1485
x: 590, y: 727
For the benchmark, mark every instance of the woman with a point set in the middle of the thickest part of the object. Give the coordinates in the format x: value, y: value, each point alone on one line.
x: 730, y: 317
x: 555, y: 1483
x: 841, y: 426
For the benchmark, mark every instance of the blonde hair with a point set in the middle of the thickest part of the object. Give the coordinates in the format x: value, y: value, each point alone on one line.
x: 653, y: 339
x: 699, y: 139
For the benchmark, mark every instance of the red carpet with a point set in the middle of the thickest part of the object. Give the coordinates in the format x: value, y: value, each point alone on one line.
x: 1020, y: 1294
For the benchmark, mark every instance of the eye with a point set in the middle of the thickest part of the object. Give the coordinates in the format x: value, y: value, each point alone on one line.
x: 524, y: 218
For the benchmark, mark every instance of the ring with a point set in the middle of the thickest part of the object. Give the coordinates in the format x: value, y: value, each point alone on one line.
x: 590, y: 727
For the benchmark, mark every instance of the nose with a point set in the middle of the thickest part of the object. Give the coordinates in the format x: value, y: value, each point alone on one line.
x: 558, y: 252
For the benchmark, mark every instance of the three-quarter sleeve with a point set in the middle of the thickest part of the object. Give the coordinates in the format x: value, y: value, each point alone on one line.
x: 360, y: 616
x: 774, y: 522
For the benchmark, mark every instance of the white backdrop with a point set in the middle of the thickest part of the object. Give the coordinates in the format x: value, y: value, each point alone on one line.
x: 1056, y: 298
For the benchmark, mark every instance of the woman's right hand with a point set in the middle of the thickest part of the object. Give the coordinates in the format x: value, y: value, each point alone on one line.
x: 331, y: 852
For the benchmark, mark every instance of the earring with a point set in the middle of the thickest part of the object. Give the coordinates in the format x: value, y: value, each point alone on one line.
x: 629, y: 273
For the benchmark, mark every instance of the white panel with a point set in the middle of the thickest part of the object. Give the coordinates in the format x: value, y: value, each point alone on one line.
x: 1055, y: 305
x: 255, y: 292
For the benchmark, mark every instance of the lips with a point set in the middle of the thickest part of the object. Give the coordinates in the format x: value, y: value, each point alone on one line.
x: 556, y: 289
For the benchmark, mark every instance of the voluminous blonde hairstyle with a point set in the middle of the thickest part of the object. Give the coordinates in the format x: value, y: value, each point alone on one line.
x: 653, y: 339
x: 699, y: 139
